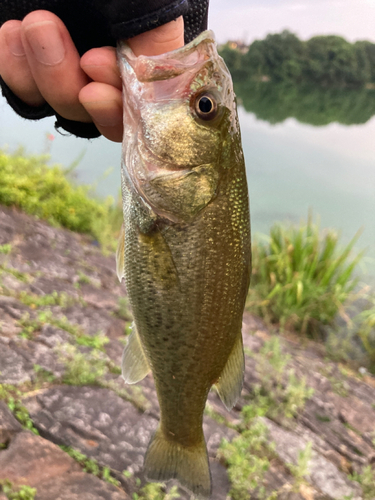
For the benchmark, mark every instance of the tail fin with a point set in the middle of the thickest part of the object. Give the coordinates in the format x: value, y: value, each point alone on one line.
x: 170, y: 460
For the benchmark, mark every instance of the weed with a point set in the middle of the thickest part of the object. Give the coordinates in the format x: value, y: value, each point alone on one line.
x: 123, y: 308
x: 43, y: 190
x: 366, y: 331
x: 338, y: 385
x: 367, y: 481
x: 247, y: 459
x: 156, y: 491
x: 5, y: 249
x: 17, y: 492
x: 83, y: 369
x: 24, y: 277
x: 300, y: 277
x: 97, y: 341
x: 280, y: 394
x: 29, y: 326
x: 90, y: 465
x: 132, y: 393
x: 21, y: 413
x: 301, y: 470
x: 83, y: 279
x: 209, y: 411
x: 53, y: 299
x: 43, y: 374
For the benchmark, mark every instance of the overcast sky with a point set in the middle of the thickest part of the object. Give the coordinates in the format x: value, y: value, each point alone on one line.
x: 251, y: 19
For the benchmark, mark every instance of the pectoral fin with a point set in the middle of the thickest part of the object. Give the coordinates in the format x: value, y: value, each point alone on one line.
x: 229, y: 385
x: 134, y: 362
x: 120, y: 255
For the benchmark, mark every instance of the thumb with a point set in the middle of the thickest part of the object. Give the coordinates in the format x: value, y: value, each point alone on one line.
x: 160, y: 40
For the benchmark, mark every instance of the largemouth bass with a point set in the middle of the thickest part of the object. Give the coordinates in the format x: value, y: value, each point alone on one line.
x: 185, y: 247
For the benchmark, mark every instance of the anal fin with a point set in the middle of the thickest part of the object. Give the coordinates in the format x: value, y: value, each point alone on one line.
x: 230, y: 382
x: 134, y: 362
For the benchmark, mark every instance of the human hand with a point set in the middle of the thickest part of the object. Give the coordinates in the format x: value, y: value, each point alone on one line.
x: 39, y: 62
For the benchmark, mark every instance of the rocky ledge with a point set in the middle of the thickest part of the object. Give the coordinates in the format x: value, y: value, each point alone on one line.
x: 70, y: 428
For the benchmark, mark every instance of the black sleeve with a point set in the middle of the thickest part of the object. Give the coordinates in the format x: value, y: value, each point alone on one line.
x: 97, y: 23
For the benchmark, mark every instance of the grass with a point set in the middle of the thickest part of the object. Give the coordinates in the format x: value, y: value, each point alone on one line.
x: 53, y: 299
x: 280, y: 394
x: 5, y: 249
x: 300, y: 471
x: 247, y: 458
x: 156, y: 491
x: 301, y: 277
x: 83, y: 369
x: 11, y: 395
x: 29, y: 183
x: 17, y: 492
x: 30, y: 326
x: 367, y: 481
x: 90, y: 465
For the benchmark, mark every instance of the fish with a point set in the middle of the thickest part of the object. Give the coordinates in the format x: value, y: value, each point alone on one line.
x: 184, y: 250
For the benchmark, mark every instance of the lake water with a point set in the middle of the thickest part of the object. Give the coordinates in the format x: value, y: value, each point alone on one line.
x: 292, y: 166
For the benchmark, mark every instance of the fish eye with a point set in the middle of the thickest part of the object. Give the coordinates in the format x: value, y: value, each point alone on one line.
x: 206, y: 107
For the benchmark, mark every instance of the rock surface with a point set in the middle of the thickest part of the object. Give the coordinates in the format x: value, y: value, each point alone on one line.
x: 60, y: 297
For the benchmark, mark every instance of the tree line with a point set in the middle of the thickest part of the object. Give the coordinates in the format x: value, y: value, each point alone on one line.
x: 275, y: 102
x: 329, y: 61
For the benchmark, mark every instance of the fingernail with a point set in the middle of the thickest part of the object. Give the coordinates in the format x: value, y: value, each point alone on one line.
x: 14, y: 42
x: 46, y: 42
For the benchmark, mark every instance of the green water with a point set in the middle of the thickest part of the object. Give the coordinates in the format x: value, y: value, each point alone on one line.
x: 304, y: 149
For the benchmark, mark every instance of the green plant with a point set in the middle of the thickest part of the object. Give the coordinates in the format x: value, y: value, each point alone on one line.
x: 21, y: 414
x: 90, y: 465
x: 55, y: 298
x: 338, y: 383
x: 44, y: 375
x: 83, y: 279
x: 366, y: 331
x: 280, y: 394
x: 300, y: 277
x: 83, y: 369
x: 156, y: 491
x: 17, y: 493
x: 301, y: 470
x: 123, y: 308
x: 5, y: 249
x: 45, y: 191
x: 367, y: 481
x: 247, y: 459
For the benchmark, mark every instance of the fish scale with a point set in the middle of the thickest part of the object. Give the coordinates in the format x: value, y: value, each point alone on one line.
x: 185, y: 247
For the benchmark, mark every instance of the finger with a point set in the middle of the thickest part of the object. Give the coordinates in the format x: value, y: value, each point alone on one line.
x: 169, y: 36
x: 104, y: 104
x: 54, y: 63
x: 14, y: 68
x: 101, y: 66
